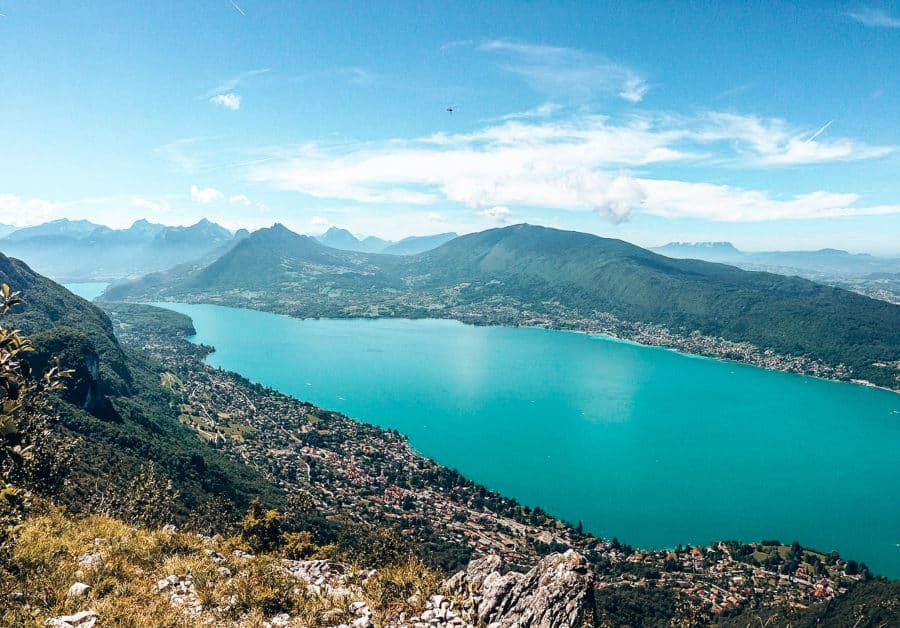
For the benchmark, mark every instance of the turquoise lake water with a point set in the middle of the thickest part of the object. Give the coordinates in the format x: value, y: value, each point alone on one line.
x: 644, y: 444
x: 89, y: 291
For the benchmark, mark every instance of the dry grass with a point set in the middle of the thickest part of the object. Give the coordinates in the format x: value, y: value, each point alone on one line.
x: 44, y: 562
x: 401, y: 588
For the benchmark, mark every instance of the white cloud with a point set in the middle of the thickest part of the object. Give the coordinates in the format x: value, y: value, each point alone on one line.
x: 18, y: 211
x: 620, y: 198
x: 875, y: 18
x: 567, y: 71
x: 435, y: 217
x: 581, y: 164
x: 223, y: 95
x: 240, y: 198
x: 771, y: 141
x: 205, y: 196
x: 498, y: 214
x: 229, y: 101
x: 551, y: 165
x: 541, y: 111
x: 724, y: 203
x: 233, y: 82
x: 146, y: 203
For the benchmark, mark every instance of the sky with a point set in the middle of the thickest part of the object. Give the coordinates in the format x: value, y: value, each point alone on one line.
x: 770, y: 125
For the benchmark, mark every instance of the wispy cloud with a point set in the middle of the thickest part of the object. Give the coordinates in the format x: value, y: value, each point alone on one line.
x: 152, y: 205
x: 233, y: 82
x: 498, y: 213
x: 567, y: 71
x: 241, y: 199
x: 773, y: 142
x: 237, y: 8
x: 588, y: 163
x: 458, y: 43
x: 183, y: 154
x: 205, y: 196
x: 541, y: 111
x: 875, y: 18
x: 229, y: 101
x: 224, y: 94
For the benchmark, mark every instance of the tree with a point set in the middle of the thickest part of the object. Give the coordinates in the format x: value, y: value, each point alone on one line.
x: 24, y: 433
x: 20, y: 392
x: 262, y: 529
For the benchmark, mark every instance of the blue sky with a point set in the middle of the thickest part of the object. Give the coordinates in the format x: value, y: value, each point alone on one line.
x: 768, y: 125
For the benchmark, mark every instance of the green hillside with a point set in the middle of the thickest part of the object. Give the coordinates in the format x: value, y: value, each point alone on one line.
x: 116, y: 407
x: 568, y: 277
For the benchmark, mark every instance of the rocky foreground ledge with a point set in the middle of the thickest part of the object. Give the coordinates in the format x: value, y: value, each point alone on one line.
x: 556, y: 593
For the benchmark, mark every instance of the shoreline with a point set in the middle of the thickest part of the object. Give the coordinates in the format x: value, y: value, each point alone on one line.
x: 412, y: 451
x: 550, y: 326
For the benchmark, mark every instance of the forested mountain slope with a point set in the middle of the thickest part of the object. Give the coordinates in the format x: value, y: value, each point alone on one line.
x: 567, y: 278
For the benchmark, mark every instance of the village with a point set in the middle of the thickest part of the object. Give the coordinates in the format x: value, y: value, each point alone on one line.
x: 351, y: 469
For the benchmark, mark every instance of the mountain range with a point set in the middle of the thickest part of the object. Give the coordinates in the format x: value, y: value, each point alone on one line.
x: 130, y: 430
x: 823, y: 263
x: 522, y: 274
x: 342, y: 239
x: 80, y: 250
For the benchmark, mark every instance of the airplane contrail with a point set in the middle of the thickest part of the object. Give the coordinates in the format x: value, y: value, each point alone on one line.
x: 239, y: 9
x: 819, y: 132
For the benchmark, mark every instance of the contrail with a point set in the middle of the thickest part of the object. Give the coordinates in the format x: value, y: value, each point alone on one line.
x: 819, y: 132
x: 239, y: 9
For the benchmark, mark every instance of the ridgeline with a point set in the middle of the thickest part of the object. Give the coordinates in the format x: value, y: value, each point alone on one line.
x: 534, y: 275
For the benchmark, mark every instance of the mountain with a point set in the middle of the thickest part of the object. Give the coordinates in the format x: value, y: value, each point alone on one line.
x: 5, y: 230
x: 62, y: 228
x: 525, y: 274
x: 343, y: 240
x: 115, y: 405
x: 824, y: 264
x: 82, y: 251
x: 418, y: 244
x: 724, y: 252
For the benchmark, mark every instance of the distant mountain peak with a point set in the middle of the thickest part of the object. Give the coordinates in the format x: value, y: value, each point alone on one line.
x: 338, y: 230
x: 703, y: 245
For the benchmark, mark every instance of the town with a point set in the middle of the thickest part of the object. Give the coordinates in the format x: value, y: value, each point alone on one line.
x: 345, y: 468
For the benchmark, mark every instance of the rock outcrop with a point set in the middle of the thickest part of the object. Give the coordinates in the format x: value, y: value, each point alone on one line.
x: 556, y: 593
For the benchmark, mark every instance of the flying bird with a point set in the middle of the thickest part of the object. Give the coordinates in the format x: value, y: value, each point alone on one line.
x: 450, y: 109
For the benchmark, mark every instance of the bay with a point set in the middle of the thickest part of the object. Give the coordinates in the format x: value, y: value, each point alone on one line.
x: 640, y: 443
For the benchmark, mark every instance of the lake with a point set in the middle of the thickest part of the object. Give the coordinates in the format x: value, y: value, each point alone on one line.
x: 89, y: 291
x: 640, y: 443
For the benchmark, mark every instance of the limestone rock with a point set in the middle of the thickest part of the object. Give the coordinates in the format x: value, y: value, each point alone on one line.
x: 79, y: 589
x: 554, y: 594
x: 83, y: 619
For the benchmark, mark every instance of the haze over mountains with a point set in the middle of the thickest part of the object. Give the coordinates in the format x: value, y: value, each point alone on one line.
x: 83, y: 251
x: 509, y: 274
x: 812, y: 264
x: 338, y: 238
x: 876, y: 277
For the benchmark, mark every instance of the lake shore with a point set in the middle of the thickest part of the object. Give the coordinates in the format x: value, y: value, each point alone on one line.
x: 601, y: 324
